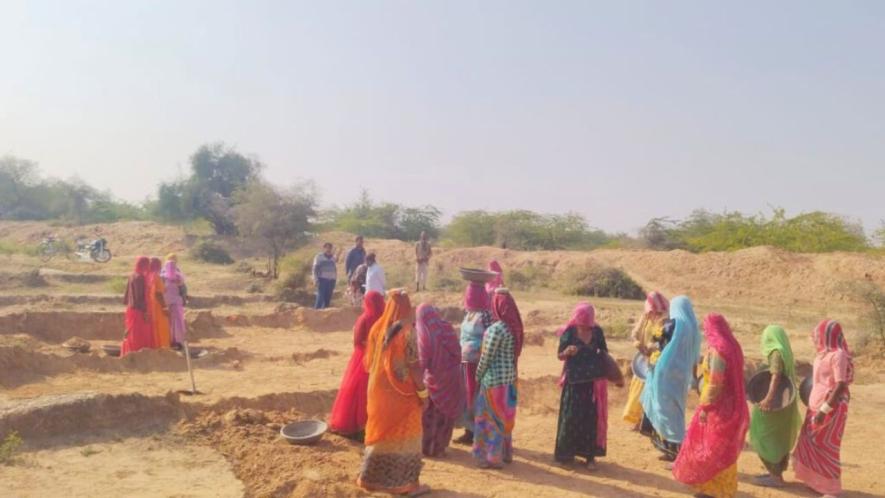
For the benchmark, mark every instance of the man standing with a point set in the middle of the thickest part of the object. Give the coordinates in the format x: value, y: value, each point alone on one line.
x: 423, y: 252
x: 375, y: 280
x: 325, y: 273
x: 355, y: 257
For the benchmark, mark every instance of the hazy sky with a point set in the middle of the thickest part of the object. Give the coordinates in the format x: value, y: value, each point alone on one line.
x: 621, y: 111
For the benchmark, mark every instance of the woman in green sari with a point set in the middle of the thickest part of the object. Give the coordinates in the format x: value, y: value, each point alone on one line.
x: 773, y: 433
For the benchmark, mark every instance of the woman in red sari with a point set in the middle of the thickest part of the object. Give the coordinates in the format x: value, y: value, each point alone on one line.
x: 816, y: 458
x: 349, y: 411
x: 139, y: 332
x: 715, y: 437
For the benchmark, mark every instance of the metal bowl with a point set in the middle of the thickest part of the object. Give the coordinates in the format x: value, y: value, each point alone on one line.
x: 111, y: 349
x: 476, y: 275
x: 757, y: 390
x: 613, y: 372
x: 304, y: 431
x: 805, y: 389
x: 640, y: 366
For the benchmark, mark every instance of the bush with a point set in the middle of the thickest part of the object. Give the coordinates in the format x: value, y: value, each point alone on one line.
x: 9, y: 447
x: 528, y: 277
x: 524, y: 230
x: 603, y: 282
x: 873, y: 298
x: 384, y: 220
x: 211, y: 252
x: 33, y: 278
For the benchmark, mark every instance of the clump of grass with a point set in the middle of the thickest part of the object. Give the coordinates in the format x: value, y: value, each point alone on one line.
x: 528, y: 277
x: 89, y: 451
x: 603, y: 282
x: 9, y: 447
x: 117, y: 285
x: 211, y: 252
x: 9, y: 248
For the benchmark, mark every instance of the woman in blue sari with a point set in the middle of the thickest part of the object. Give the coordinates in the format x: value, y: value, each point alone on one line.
x: 668, y: 382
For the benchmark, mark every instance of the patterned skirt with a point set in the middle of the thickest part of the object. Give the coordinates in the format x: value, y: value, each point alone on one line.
x: 391, y: 467
x: 468, y: 374
x: 578, y: 426
x: 723, y: 485
x: 816, y: 459
x: 494, y: 422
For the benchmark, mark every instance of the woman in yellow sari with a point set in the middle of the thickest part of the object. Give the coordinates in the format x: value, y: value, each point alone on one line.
x: 644, y: 336
x: 396, y: 399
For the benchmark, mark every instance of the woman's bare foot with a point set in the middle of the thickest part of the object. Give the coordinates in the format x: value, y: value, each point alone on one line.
x: 420, y: 491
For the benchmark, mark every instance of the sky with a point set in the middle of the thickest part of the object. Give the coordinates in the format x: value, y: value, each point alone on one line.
x: 620, y: 111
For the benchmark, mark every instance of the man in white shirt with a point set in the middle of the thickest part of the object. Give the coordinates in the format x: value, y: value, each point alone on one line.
x: 374, y: 275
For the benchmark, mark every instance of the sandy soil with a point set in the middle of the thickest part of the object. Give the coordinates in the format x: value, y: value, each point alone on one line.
x: 267, y: 365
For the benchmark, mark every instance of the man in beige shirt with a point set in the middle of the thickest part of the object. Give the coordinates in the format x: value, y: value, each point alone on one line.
x: 423, y: 252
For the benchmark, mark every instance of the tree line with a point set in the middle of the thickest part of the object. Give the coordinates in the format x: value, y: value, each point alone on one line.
x: 228, y: 190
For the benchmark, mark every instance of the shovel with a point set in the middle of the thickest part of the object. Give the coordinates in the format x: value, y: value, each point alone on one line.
x: 190, y: 370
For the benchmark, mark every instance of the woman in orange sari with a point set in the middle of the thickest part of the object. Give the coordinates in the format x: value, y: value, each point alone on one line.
x: 157, y: 305
x: 396, y: 399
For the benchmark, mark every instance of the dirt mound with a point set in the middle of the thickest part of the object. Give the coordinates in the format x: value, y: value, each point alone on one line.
x: 124, y: 238
x: 59, y: 326
x: 23, y: 366
x: 64, y: 415
x: 313, y: 355
x: 327, y: 320
x: 267, y: 465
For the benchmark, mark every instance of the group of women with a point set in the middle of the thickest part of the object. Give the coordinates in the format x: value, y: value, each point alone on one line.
x: 412, y: 378
x: 704, y: 455
x: 155, y: 299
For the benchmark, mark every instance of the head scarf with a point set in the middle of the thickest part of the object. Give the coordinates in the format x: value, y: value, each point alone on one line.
x: 773, y: 433
x: 667, y: 384
x: 172, y: 273
x: 373, y: 308
x: 655, y: 302
x: 398, y: 307
x: 828, y: 338
x: 142, y: 265
x: 584, y: 315
x: 156, y: 265
x: 504, y: 309
x: 476, y: 298
x: 440, y: 355
x: 498, y: 281
x: 712, y: 446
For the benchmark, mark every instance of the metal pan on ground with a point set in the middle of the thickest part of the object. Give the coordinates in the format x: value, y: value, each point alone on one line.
x: 195, y: 352
x: 111, y: 350
x: 476, y: 275
x: 757, y: 389
x: 640, y: 366
x: 805, y: 389
x: 304, y: 431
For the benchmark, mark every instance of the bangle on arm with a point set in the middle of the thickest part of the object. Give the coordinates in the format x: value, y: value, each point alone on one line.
x: 825, y: 408
x: 422, y: 393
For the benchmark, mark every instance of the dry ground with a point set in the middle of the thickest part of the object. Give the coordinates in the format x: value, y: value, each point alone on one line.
x: 100, y: 426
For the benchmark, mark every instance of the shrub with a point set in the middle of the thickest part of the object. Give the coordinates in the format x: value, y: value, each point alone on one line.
x: 603, y: 282
x: 528, y: 277
x: 211, y: 252
x: 33, y: 278
x: 873, y: 298
x: 9, y: 447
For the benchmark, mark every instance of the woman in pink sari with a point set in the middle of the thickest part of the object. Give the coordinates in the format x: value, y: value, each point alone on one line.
x: 349, y: 411
x: 175, y: 297
x: 440, y: 355
x: 715, y: 437
x: 816, y: 458
x: 139, y: 332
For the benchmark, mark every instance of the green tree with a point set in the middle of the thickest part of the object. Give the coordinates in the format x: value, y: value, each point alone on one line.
x: 275, y: 220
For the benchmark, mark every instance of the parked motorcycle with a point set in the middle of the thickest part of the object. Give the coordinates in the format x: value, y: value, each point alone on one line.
x: 96, y: 250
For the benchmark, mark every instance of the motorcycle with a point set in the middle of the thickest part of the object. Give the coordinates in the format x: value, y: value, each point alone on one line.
x: 96, y: 250
x: 49, y: 247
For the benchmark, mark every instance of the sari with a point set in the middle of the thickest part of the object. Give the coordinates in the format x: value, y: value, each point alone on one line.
x: 582, y: 426
x: 173, y: 280
x: 348, y: 416
x: 651, y: 323
x: 816, y: 459
x: 440, y: 355
x: 157, y: 305
x: 476, y: 320
x: 666, y: 387
x: 392, y: 458
x: 708, y: 457
x: 773, y: 433
x: 495, y: 415
x: 139, y: 333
